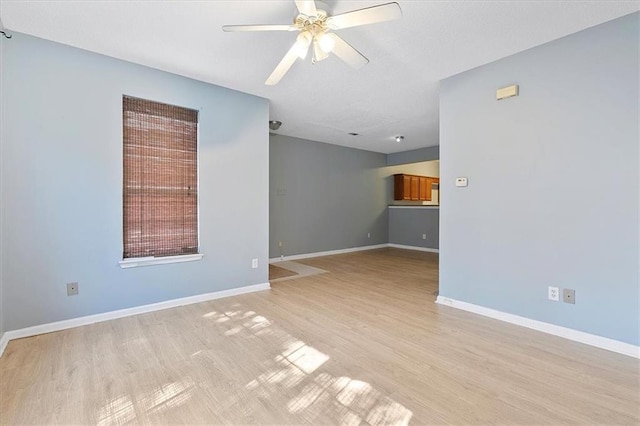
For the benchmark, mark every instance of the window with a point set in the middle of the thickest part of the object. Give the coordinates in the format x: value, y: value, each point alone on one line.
x: 160, y: 185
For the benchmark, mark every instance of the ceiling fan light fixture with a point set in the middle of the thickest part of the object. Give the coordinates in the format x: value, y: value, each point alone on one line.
x: 326, y: 42
x: 399, y: 138
x: 318, y: 53
x: 302, y: 44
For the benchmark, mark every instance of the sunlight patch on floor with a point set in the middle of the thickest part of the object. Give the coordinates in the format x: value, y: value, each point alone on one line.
x: 354, y: 389
x: 354, y: 400
x: 167, y: 396
x: 116, y: 411
x: 284, y: 374
x: 234, y: 330
x: 121, y: 410
x: 307, y: 359
x: 257, y: 322
x: 298, y: 368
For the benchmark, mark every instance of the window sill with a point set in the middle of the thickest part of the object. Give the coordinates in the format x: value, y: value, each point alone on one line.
x: 148, y: 261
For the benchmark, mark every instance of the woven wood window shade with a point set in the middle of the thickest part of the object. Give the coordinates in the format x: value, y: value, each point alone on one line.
x: 160, y: 193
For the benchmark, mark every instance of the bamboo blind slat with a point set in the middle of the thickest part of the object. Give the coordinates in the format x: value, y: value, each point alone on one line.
x: 160, y: 191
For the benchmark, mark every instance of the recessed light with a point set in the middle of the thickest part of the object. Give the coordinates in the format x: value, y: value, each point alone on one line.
x: 354, y: 134
x: 399, y: 138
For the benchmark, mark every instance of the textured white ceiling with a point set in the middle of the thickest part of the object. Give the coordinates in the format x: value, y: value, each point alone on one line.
x: 396, y: 93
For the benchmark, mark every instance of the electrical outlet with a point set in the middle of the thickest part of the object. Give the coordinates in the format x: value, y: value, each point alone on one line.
x: 254, y: 263
x: 569, y: 296
x: 72, y: 289
x: 368, y: 234
x: 553, y: 293
x: 279, y: 243
x: 424, y: 236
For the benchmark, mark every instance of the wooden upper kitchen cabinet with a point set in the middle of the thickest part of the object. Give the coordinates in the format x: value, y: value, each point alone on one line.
x: 412, y: 187
x: 401, y: 187
x: 424, y: 188
x: 415, y: 188
x: 429, y: 182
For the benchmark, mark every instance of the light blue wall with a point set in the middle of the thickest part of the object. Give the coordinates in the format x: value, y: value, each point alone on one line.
x: 62, y: 193
x: 553, y: 182
x: 324, y: 197
x: 2, y: 138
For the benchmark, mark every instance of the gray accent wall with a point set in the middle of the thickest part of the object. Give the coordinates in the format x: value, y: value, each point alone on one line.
x: 553, y: 182
x: 324, y: 197
x: 62, y: 184
x: 408, y: 224
x: 414, y: 156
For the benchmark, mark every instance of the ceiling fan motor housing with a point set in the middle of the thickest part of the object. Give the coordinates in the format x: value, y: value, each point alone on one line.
x: 316, y: 25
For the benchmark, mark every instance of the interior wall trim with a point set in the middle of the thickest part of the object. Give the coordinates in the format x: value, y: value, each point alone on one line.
x: 121, y: 313
x: 402, y: 246
x: 556, y: 330
x: 348, y: 250
x: 4, y: 341
x: 326, y: 253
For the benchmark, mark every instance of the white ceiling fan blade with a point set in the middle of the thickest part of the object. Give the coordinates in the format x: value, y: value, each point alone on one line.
x: 370, y: 15
x: 283, y: 66
x: 348, y: 53
x: 307, y: 7
x: 241, y: 28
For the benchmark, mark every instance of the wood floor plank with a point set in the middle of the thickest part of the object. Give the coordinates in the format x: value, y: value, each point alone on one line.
x: 277, y: 272
x: 363, y: 343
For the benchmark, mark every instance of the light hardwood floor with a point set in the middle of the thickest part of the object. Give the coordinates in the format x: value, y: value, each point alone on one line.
x: 363, y: 343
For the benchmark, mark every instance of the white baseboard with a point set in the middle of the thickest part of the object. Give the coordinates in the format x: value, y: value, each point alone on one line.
x: 556, y: 330
x: 121, y: 313
x: 348, y: 250
x: 326, y: 253
x: 402, y: 246
x: 4, y: 341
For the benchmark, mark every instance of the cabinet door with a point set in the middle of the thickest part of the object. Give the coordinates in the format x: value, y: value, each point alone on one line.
x: 406, y: 187
x: 401, y: 187
x: 415, y: 184
x: 425, y: 188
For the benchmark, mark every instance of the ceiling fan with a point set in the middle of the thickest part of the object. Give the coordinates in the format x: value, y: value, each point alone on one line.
x: 315, y: 27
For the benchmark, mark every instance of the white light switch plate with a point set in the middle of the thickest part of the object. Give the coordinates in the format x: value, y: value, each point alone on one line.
x: 461, y: 181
